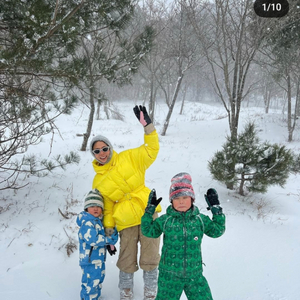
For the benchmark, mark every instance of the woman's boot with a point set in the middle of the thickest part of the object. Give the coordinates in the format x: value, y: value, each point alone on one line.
x: 150, y: 284
x: 126, y: 285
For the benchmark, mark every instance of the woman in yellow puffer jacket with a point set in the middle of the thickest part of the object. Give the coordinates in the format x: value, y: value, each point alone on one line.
x: 121, y: 180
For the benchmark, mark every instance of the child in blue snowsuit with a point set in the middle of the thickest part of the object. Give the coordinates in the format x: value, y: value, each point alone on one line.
x: 92, y: 246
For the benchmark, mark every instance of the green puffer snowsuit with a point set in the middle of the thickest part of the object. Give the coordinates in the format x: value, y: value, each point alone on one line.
x: 181, y: 252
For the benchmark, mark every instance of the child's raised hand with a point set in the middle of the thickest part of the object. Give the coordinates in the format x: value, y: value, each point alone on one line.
x: 213, y: 202
x: 152, y: 200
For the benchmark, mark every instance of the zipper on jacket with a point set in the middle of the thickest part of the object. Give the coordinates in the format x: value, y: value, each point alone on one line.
x: 184, y: 231
x: 90, y: 253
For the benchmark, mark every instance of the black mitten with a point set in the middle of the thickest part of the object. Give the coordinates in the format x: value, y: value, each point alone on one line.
x: 213, y: 202
x: 152, y: 202
x: 212, y: 197
x: 111, y: 249
x: 142, y: 115
x: 152, y: 198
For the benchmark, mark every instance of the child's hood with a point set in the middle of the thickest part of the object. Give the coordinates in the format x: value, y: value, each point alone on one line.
x: 83, y: 217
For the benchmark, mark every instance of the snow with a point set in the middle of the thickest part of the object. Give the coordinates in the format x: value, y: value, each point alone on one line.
x: 256, y: 259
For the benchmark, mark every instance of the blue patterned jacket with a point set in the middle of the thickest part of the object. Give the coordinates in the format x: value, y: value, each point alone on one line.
x: 92, y: 240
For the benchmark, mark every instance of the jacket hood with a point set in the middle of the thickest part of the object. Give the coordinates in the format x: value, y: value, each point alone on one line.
x: 101, y: 138
x: 83, y: 217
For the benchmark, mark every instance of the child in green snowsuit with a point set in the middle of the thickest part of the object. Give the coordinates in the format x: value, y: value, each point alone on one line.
x: 183, y: 226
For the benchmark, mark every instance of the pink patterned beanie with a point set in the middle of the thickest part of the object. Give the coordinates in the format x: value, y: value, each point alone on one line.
x: 181, y: 185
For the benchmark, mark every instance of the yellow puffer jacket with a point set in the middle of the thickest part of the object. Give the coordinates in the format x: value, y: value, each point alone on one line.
x: 122, y: 183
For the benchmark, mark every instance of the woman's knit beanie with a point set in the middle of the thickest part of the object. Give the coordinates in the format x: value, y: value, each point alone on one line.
x: 101, y: 138
x: 93, y: 198
x: 181, y: 185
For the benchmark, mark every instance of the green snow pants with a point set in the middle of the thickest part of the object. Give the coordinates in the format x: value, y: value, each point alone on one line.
x: 171, y: 287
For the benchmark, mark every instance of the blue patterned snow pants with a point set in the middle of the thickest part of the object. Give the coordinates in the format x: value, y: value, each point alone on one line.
x: 91, y: 282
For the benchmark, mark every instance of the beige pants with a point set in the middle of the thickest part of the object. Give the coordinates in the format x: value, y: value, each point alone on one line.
x: 149, y: 250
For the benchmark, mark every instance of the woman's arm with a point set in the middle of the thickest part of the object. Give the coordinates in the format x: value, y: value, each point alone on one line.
x: 147, y: 152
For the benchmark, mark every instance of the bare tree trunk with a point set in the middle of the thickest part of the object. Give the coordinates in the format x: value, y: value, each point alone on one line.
x: 92, y: 102
x: 86, y: 136
x: 183, y: 99
x: 267, y: 99
x: 167, y: 121
x: 295, y: 117
x: 241, y: 187
x: 152, y: 98
x: 292, y: 118
x: 234, y: 121
x: 289, y: 110
x: 106, y: 109
x: 297, y: 105
x: 98, y: 110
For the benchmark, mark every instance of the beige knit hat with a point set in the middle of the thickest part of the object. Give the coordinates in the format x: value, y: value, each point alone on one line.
x: 93, y: 198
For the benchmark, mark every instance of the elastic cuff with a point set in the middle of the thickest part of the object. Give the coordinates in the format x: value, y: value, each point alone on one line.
x: 150, y: 209
x: 217, y: 210
x: 149, y: 128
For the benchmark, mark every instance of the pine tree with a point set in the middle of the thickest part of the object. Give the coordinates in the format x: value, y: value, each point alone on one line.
x: 256, y: 165
x: 113, y: 56
x: 39, y: 71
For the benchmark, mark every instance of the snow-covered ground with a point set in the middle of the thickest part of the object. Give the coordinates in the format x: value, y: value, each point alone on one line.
x: 256, y: 259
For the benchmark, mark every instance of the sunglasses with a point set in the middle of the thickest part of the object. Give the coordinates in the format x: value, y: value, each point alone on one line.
x: 97, y: 151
